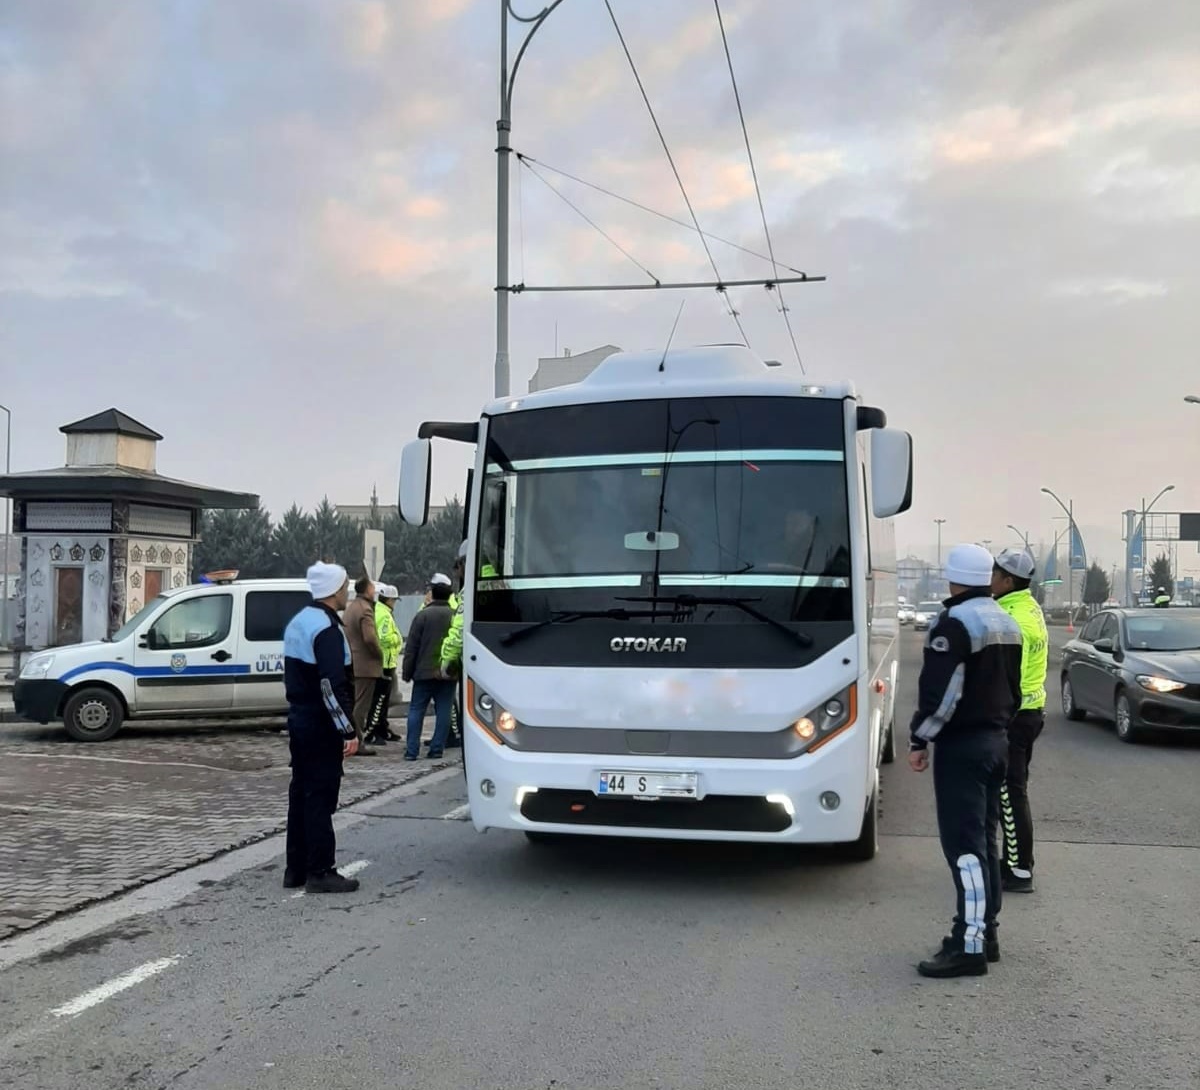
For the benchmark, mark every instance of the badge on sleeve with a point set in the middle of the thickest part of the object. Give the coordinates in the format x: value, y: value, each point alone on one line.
x: 939, y: 643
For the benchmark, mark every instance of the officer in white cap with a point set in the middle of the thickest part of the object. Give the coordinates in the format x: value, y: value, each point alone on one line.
x: 316, y: 678
x: 969, y: 690
x: 1012, y: 578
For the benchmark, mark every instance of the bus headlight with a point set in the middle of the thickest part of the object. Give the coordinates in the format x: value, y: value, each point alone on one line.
x: 497, y: 721
x: 831, y: 717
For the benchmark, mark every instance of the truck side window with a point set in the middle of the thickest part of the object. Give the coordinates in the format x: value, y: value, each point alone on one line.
x: 198, y: 622
x: 269, y: 611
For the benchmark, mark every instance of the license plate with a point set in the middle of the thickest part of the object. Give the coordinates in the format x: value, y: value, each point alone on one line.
x: 647, y: 785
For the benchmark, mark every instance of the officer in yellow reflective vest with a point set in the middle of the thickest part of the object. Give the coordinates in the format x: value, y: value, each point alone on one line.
x: 1012, y: 577
x: 452, y: 645
x: 1162, y: 600
x: 390, y: 644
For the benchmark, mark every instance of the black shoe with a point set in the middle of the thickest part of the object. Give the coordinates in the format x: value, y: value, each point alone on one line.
x: 1011, y: 883
x: 991, y: 948
x: 409, y: 757
x: 378, y: 740
x: 293, y: 879
x: 330, y: 882
x: 948, y: 963
x: 435, y: 756
x: 453, y: 743
x: 363, y: 751
x: 392, y: 736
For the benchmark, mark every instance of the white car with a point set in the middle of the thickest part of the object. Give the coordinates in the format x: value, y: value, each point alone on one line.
x: 926, y: 614
x: 907, y: 614
x: 206, y: 650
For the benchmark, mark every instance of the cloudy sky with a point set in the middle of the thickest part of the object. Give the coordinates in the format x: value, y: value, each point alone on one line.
x: 266, y: 227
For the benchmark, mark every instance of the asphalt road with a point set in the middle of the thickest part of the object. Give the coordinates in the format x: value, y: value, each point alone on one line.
x: 471, y: 961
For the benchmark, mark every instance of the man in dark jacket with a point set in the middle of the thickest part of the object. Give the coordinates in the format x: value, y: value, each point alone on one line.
x: 316, y: 664
x: 423, y: 667
x: 968, y: 693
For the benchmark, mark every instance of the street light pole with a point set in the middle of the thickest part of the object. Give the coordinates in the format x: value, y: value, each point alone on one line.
x: 940, y: 523
x: 503, y: 154
x: 1022, y: 535
x: 1072, y: 536
x: 7, y: 521
x: 1146, y: 509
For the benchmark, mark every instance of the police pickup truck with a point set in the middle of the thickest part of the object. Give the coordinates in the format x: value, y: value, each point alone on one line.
x: 204, y: 650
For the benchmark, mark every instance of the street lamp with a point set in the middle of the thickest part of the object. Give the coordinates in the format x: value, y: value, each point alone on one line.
x: 1023, y: 536
x: 1146, y: 509
x: 1073, y: 536
x: 940, y: 523
x: 1192, y: 399
x: 503, y: 152
x: 7, y: 520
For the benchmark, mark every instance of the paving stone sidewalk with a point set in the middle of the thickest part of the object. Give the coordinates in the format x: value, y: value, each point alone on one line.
x: 81, y: 822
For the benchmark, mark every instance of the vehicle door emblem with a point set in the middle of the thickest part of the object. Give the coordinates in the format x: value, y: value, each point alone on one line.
x: 178, y: 664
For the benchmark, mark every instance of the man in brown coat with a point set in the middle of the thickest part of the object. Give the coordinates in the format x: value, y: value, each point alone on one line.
x: 365, y: 653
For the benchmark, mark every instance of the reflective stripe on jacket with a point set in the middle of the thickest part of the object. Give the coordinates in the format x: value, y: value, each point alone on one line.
x: 1022, y: 607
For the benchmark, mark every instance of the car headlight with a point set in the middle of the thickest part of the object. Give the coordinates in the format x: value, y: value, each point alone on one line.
x: 1160, y: 684
x: 38, y: 666
x: 486, y: 711
x: 830, y: 717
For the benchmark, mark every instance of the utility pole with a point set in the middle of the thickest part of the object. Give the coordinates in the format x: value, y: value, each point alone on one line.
x: 503, y: 156
x: 939, y: 522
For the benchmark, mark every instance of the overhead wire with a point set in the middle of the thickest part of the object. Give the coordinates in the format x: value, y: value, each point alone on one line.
x: 583, y: 215
x: 674, y: 169
x: 737, y: 97
x: 526, y: 159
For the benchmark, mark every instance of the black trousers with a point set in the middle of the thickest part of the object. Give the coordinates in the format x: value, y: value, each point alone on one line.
x: 1023, y: 731
x: 380, y: 698
x: 313, y: 798
x: 968, y: 772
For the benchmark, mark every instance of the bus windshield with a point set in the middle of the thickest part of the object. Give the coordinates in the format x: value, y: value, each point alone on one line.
x: 592, y: 506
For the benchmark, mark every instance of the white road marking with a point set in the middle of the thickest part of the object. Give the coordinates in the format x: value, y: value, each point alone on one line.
x: 458, y: 813
x: 166, y: 892
x: 348, y: 871
x: 113, y: 987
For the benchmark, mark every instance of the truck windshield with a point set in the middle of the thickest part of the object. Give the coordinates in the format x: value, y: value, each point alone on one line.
x: 739, y: 498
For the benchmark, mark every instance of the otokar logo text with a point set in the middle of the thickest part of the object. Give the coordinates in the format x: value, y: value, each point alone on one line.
x: 644, y: 644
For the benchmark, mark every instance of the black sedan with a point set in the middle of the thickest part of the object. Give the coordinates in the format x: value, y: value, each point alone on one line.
x: 1137, y: 667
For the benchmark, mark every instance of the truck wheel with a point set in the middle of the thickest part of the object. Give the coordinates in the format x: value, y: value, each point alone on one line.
x: 866, y: 847
x: 889, y: 743
x: 93, y: 715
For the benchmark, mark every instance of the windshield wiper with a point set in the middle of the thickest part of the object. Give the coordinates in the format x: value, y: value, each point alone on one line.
x: 689, y: 600
x: 568, y: 616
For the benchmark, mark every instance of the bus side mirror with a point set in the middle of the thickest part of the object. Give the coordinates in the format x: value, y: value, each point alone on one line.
x: 891, y: 472
x: 415, y: 477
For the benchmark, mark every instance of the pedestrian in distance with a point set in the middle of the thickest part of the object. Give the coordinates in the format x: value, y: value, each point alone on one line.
x: 366, y: 654
x: 968, y: 692
x: 1012, y: 577
x: 378, y: 731
x: 316, y: 677
x: 423, y: 667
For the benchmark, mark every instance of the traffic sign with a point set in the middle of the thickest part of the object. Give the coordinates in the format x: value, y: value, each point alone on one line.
x: 373, y: 553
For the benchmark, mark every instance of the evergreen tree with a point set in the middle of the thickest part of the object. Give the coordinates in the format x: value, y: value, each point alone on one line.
x: 1096, y: 587
x: 295, y: 543
x: 236, y: 539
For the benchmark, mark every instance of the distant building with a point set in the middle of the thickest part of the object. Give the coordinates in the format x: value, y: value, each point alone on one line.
x: 567, y: 369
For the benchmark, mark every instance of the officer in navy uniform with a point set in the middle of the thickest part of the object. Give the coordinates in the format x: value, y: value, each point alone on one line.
x: 316, y: 676
x: 968, y: 693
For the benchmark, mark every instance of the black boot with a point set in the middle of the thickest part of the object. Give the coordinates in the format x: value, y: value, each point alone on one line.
x: 330, y: 882
x: 1011, y: 883
x: 293, y: 879
x: 953, y: 962
x: 991, y: 947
